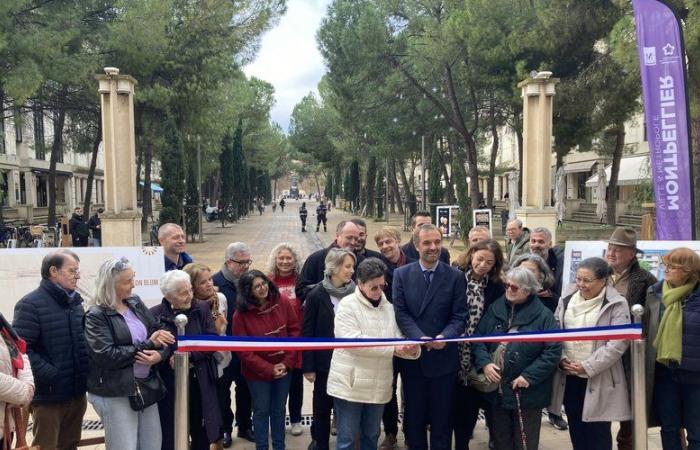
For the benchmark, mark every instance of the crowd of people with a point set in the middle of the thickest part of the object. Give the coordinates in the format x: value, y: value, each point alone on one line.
x: 120, y: 352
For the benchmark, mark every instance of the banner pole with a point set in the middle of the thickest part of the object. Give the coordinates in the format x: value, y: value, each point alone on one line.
x: 639, y: 404
x: 182, y: 381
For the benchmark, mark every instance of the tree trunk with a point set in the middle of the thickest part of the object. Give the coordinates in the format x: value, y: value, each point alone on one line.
x: 146, y: 203
x: 611, y: 192
x: 490, y: 193
x: 460, y: 176
x: 59, y: 120
x: 519, y: 137
x: 394, y: 184
x: 371, y: 192
x: 93, y: 165
x: 449, y: 190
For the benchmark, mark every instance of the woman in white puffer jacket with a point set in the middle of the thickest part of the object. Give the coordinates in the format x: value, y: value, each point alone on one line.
x: 16, y: 380
x: 360, y: 378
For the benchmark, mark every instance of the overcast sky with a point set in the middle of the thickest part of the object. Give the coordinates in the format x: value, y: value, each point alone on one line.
x: 289, y: 57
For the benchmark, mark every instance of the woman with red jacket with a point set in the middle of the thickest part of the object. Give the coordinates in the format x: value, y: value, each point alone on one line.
x: 263, y: 312
x: 283, y: 267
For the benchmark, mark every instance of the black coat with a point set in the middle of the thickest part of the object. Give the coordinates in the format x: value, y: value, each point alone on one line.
x: 52, y: 325
x: 78, y: 228
x: 411, y: 252
x: 230, y: 291
x: 312, y: 271
x: 93, y: 223
x: 319, y: 319
x: 389, y: 278
x: 199, y: 322
x: 111, y: 348
x: 555, y: 261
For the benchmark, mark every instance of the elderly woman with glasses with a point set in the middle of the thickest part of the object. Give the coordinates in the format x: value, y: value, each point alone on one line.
x: 360, y: 379
x: 205, y: 424
x: 263, y: 312
x: 672, y: 325
x: 319, y: 321
x: 124, y: 343
x: 520, y: 372
x: 591, y: 378
x: 544, y: 275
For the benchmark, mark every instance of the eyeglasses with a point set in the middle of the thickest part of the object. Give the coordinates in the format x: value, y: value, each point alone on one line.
x: 378, y: 288
x: 586, y: 280
x: 246, y: 262
x: 121, y: 265
x: 73, y: 272
x: 512, y: 287
x: 259, y: 286
x: 669, y: 267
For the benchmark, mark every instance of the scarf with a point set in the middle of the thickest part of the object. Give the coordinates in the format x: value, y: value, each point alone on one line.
x: 228, y: 275
x: 340, y: 292
x: 15, y: 345
x: 476, y: 302
x: 669, y: 340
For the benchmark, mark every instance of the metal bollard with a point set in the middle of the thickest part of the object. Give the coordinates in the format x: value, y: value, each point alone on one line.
x: 182, y: 391
x: 639, y: 403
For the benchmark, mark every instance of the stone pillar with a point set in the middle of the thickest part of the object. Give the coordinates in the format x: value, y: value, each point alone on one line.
x: 121, y: 221
x: 538, y: 98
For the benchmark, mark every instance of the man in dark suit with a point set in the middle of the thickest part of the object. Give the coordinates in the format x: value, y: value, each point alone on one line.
x: 409, y: 249
x: 346, y: 236
x: 430, y: 302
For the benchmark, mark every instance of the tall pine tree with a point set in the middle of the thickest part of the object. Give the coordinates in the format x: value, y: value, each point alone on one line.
x: 172, y: 175
x: 227, y: 168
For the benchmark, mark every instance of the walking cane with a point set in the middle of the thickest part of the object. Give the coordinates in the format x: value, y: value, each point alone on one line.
x: 523, y: 437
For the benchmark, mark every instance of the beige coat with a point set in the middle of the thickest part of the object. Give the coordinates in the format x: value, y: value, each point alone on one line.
x: 607, y: 397
x: 14, y: 391
x: 363, y: 375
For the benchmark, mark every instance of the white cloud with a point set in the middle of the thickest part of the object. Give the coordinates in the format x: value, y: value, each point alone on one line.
x: 289, y: 57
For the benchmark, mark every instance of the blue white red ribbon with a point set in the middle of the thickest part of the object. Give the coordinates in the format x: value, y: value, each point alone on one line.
x: 254, y: 343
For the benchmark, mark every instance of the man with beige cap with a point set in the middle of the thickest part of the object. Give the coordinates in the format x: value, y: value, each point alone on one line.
x: 632, y: 281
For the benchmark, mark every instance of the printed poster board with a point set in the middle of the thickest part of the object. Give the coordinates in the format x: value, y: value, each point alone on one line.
x: 484, y: 218
x: 20, y: 272
x: 447, y: 219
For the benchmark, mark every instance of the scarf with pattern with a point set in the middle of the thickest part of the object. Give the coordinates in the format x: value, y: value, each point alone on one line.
x: 476, y: 302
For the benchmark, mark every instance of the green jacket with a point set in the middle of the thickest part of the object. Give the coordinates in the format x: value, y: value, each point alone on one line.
x: 535, y: 361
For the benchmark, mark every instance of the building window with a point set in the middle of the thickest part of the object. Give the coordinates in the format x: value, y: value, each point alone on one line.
x: 22, y: 195
x: 17, y: 119
x: 42, y: 191
x: 4, y: 189
x: 39, y: 144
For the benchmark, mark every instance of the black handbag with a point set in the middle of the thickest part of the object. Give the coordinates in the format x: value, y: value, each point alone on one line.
x: 148, y: 391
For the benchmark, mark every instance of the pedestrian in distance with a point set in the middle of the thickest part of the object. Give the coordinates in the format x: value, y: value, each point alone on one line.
x: 263, y: 312
x: 50, y: 320
x: 125, y: 342
x: 303, y: 212
x: 282, y: 204
x: 321, y: 211
x: 95, y: 225
x: 79, y: 229
x: 274, y: 206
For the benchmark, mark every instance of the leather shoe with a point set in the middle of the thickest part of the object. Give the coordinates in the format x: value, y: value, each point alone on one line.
x: 558, y: 422
x: 227, y: 441
x: 248, y: 434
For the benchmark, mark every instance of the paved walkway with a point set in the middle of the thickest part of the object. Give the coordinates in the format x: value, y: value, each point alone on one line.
x: 262, y: 233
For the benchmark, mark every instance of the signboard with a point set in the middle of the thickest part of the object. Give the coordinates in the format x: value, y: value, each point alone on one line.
x: 447, y: 219
x: 650, y: 259
x: 20, y: 272
x: 484, y: 218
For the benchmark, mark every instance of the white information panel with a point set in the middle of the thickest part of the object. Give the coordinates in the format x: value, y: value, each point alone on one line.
x: 649, y: 259
x: 20, y: 272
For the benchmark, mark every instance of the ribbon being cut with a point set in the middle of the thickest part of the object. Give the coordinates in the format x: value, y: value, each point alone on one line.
x: 249, y: 343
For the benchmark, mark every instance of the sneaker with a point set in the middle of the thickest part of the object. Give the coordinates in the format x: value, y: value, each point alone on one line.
x: 389, y: 442
x: 334, y: 429
x: 558, y: 422
x: 296, y: 429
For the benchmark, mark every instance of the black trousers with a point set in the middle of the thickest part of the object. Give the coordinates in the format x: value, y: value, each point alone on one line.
x: 428, y: 402
x: 584, y: 435
x: 320, y: 219
x: 390, y: 418
x: 198, y: 433
x: 468, y: 401
x: 244, y: 402
x: 322, y: 406
x: 303, y: 221
x: 296, y: 395
x: 507, y: 432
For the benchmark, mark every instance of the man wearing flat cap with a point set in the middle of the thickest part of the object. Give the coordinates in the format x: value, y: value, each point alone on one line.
x: 632, y: 281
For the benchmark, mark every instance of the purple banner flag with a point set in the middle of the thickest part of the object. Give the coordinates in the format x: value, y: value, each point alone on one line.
x: 662, y: 65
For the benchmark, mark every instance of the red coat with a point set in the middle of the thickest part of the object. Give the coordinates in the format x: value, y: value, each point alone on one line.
x: 276, y: 319
x: 286, y: 287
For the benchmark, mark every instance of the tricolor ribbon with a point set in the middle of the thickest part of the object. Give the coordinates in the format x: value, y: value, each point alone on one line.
x: 254, y: 343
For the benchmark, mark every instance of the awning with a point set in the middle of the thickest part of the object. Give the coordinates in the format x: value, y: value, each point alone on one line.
x: 155, y: 187
x: 580, y: 166
x: 633, y: 170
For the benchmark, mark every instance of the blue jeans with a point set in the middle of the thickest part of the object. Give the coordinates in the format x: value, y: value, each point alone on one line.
x: 126, y: 429
x: 677, y: 406
x: 363, y: 419
x: 269, y: 408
